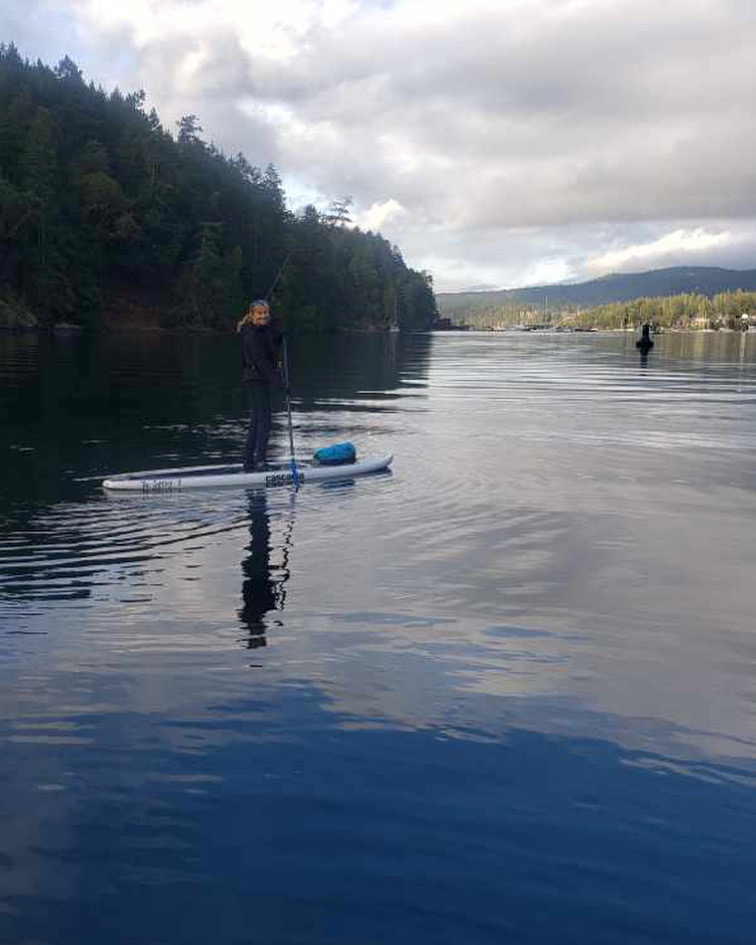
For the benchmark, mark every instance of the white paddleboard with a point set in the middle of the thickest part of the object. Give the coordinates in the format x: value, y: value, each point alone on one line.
x: 214, y: 477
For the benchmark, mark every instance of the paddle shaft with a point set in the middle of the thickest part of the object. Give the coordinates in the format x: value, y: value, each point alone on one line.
x: 278, y: 276
x: 294, y: 471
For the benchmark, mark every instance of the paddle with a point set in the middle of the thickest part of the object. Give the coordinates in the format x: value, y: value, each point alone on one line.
x: 294, y: 470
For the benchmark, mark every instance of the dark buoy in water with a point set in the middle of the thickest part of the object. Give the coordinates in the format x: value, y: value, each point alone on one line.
x: 645, y: 343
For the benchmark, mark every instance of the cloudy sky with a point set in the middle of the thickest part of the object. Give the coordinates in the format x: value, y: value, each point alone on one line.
x: 498, y: 142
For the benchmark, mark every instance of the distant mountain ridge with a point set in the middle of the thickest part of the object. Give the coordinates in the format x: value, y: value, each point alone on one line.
x: 617, y: 287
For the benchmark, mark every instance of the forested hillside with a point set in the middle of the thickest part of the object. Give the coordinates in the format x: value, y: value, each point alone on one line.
x: 106, y: 218
x: 685, y: 311
x: 538, y: 304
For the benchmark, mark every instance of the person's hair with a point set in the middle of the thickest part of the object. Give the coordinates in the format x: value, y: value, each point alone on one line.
x: 246, y: 318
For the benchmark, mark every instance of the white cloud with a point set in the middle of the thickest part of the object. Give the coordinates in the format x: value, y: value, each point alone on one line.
x: 272, y: 31
x: 660, y: 252
x: 379, y: 214
x: 548, y: 271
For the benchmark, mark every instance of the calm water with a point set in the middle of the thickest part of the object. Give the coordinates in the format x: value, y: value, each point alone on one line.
x: 506, y: 693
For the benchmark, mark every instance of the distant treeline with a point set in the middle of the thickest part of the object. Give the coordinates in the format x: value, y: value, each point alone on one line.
x: 687, y: 310
x: 104, y: 215
x: 539, y: 304
x: 500, y: 313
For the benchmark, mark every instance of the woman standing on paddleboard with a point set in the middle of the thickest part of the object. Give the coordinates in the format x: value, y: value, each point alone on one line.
x: 260, y: 341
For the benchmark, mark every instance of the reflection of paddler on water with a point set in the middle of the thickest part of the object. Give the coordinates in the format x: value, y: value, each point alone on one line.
x: 260, y: 346
x: 645, y: 342
x: 261, y: 591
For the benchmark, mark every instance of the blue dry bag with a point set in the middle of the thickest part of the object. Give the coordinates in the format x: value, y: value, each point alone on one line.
x: 339, y: 454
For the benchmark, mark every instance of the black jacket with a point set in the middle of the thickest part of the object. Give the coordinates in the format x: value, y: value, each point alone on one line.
x: 259, y: 358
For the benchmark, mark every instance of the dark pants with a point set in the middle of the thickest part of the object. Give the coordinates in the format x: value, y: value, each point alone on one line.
x: 258, y: 401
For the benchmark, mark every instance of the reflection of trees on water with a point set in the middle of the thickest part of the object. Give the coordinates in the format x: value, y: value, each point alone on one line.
x: 346, y: 365
x: 368, y: 373
x: 264, y: 584
x: 710, y: 346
